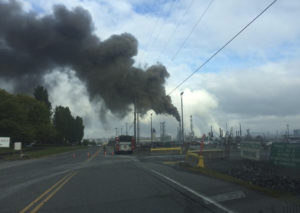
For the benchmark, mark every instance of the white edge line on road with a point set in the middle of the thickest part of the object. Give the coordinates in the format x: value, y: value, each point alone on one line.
x: 207, y: 199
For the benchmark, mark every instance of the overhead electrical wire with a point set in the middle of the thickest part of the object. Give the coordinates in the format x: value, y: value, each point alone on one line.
x: 220, y: 49
x: 161, y: 26
x: 151, y: 32
x: 175, y: 30
x: 192, y: 30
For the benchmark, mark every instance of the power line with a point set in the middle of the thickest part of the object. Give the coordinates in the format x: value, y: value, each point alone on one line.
x: 227, y: 43
x: 151, y: 35
x: 175, y: 30
x: 163, y: 22
x: 193, y: 28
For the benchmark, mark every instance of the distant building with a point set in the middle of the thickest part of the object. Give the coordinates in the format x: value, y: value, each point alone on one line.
x: 165, y: 138
x: 145, y: 140
x: 297, y: 132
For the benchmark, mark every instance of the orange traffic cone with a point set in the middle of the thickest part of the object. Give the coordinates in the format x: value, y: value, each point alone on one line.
x: 88, y: 154
x: 112, y: 153
x: 105, y: 153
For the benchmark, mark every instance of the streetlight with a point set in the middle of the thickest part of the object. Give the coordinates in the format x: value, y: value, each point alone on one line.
x: 182, y: 127
x: 151, y: 130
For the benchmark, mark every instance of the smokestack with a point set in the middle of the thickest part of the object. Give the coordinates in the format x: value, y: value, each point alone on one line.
x: 32, y: 46
x: 240, y: 130
x: 192, y: 128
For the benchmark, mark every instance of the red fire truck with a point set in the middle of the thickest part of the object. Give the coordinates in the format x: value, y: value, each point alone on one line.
x: 124, y: 144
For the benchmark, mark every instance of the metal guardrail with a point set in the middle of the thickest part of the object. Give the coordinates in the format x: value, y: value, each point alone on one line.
x: 209, y: 154
x: 162, y: 149
x: 206, y: 150
x: 194, y: 159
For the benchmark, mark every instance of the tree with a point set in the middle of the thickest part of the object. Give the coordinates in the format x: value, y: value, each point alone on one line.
x: 36, y: 112
x: 62, y: 120
x: 10, y: 109
x: 47, y: 134
x: 15, y: 131
x: 78, y: 129
x: 25, y: 119
x: 70, y: 128
x: 41, y: 94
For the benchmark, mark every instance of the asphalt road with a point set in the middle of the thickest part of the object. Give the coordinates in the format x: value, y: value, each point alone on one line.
x: 89, y: 181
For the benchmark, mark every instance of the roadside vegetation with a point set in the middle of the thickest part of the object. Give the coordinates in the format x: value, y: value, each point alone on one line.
x: 38, y: 152
x: 32, y: 121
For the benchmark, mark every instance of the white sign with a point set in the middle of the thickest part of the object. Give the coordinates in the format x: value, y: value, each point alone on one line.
x: 4, y: 142
x: 18, y: 146
x: 251, y: 150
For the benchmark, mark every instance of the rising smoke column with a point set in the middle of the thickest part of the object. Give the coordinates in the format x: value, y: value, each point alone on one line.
x: 32, y: 46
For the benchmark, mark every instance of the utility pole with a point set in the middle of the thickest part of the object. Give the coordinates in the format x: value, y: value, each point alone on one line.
x: 138, y: 127
x: 151, y: 130
x: 182, y: 126
x: 134, y: 119
x: 287, y: 132
x: 116, y: 131
x: 179, y: 132
x: 192, y: 128
x: 121, y: 130
x: 226, y: 129
x: 126, y: 128
x: 160, y: 131
x: 163, y: 131
x: 240, y: 130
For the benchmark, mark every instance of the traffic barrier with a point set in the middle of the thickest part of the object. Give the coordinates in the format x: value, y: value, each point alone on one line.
x: 210, y: 153
x: 194, y: 159
x: 165, y: 149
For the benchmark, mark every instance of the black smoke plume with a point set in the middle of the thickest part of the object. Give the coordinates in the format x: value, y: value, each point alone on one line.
x: 32, y: 46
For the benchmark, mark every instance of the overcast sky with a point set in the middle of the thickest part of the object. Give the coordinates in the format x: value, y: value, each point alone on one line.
x: 255, y: 81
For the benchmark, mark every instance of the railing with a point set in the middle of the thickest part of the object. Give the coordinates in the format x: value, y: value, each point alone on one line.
x: 167, y: 149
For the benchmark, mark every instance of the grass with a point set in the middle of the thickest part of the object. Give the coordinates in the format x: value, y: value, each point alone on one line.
x: 53, y: 150
x: 45, y: 151
x: 5, y: 150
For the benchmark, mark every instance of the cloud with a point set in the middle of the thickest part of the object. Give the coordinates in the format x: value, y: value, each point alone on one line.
x: 254, y: 81
x: 70, y: 91
x: 198, y: 102
x: 270, y: 89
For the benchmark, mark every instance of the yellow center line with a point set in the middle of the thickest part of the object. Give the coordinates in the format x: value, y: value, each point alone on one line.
x: 57, y: 186
x: 52, y: 193
x: 46, y: 192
